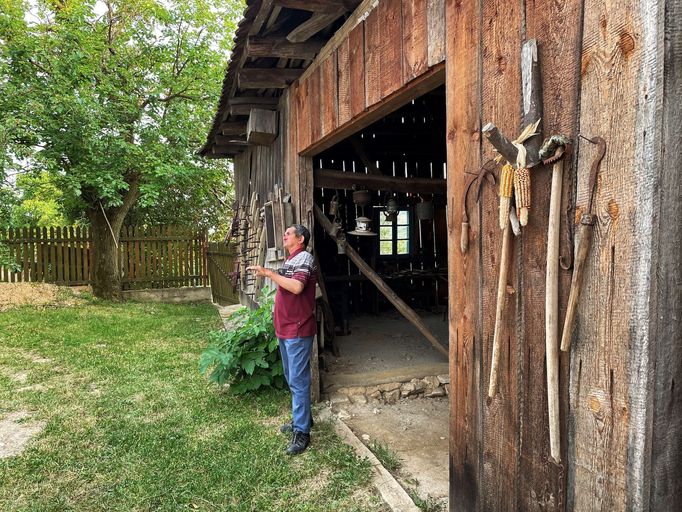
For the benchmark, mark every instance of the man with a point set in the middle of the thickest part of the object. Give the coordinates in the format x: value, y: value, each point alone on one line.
x: 295, y: 327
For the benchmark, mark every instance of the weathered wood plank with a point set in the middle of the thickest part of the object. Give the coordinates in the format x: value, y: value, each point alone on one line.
x: 267, y: 78
x: 609, y: 387
x: 421, y: 85
x: 557, y: 28
x: 356, y: 57
x: 344, y: 81
x: 435, y: 15
x: 372, y: 57
x: 501, y: 100
x: 278, y: 47
x: 303, y: 114
x: 262, y: 127
x: 329, y: 107
x: 315, y: 112
x: 666, y: 314
x: 313, y: 25
x: 415, y: 38
x: 463, y: 26
x: 390, y: 46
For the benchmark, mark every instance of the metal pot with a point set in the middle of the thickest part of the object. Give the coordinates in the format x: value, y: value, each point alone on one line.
x: 424, y: 210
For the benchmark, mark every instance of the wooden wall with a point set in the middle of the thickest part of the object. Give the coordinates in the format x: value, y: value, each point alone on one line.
x: 381, y: 49
x: 603, y: 74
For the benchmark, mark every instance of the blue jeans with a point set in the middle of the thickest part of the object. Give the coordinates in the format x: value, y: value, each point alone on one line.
x: 296, y: 361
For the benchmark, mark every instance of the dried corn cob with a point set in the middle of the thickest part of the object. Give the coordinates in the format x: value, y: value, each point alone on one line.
x: 506, y: 183
x: 522, y: 194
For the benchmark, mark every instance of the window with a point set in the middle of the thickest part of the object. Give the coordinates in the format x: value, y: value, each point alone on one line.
x: 394, y: 236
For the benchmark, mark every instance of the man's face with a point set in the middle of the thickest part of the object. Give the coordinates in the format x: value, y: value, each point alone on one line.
x: 291, y: 241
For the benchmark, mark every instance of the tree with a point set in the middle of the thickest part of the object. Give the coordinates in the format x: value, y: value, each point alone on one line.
x: 111, y: 100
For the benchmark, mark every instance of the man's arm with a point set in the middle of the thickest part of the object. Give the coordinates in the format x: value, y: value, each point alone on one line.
x: 289, y: 284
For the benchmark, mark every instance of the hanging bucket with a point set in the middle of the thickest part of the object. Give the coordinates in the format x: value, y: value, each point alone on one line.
x: 424, y: 210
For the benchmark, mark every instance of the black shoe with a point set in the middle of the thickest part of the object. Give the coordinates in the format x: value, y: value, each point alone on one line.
x: 288, y: 428
x: 299, y: 442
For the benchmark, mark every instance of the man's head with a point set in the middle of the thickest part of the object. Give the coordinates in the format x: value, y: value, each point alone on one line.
x: 296, y: 236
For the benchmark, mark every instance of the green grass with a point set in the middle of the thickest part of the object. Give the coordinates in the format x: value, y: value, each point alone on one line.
x: 132, y: 425
x: 388, y: 458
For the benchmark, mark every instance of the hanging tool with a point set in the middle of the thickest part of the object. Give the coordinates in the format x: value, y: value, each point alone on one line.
x: 552, y: 152
x: 584, y: 236
x: 484, y: 173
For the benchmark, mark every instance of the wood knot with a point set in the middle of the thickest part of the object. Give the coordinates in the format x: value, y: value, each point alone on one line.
x: 475, y: 136
x: 501, y: 64
x: 602, y: 25
x: 451, y: 134
x: 585, y: 63
x: 626, y: 43
x: 613, y: 209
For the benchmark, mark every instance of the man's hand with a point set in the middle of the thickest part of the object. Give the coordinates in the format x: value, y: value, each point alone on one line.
x: 259, y: 271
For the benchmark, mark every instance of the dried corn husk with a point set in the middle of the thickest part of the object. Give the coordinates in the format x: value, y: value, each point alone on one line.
x: 522, y: 194
x: 506, y: 184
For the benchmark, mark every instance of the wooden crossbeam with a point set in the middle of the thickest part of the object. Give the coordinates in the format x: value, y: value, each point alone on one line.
x: 278, y: 47
x: 381, y: 285
x: 327, y: 178
x: 242, y: 105
x: 230, y: 139
x: 256, y: 78
x: 313, y: 25
x: 233, y: 128
x: 323, y: 6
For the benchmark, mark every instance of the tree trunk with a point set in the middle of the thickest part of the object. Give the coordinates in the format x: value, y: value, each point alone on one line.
x: 105, y: 275
x: 105, y: 225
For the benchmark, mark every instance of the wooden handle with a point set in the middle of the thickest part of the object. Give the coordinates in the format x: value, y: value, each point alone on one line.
x: 464, y: 237
x: 584, y: 236
x: 501, y: 289
x: 552, y: 312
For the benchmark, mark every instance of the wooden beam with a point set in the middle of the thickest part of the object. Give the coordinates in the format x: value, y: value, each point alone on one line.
x: 400, y: 305
x: 256, y: 78
x: 242, y: 105
x: 229, y: 149
x: 233, y: 128
x: 278, y: 47
x: 262, y: 127
x: 358, y: 15
x: 230, y: 139
x: 322, y: 6
x: 313, y: 25
x: 261, y: 18
x: 360, y: 151
x: 326, y: 178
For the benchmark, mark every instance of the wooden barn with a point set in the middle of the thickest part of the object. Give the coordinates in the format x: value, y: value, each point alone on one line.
x: 378, y: 123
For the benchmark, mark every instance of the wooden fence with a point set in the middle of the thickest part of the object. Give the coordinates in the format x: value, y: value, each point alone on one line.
x: 149, y: 257
x: 221, y: 258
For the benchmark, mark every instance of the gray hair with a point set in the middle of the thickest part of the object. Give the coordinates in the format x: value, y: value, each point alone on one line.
x: 303, y: 231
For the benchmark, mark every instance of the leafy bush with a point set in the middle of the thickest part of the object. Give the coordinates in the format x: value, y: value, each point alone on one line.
x: 246, y: 356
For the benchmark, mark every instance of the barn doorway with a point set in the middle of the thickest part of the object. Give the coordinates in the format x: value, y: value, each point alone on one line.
x: 383, y: 190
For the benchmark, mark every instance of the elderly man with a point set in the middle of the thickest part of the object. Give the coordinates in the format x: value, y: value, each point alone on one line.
x: 295, y: 327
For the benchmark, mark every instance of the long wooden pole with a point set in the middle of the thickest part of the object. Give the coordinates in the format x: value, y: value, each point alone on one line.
x: 501, y: 289
x: 400, y: 305
x: 552, y: 311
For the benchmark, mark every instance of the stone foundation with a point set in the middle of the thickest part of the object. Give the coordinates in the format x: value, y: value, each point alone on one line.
x: 391, y: 392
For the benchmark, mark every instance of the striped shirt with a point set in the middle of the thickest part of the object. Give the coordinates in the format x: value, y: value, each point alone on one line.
x: 295, y: 314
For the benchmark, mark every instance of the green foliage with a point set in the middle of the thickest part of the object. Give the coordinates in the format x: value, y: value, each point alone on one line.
x: 101, y: 98
x: 246, y: 356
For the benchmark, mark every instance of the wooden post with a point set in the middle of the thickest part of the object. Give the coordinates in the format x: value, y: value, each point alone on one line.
x: 400, y: 305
